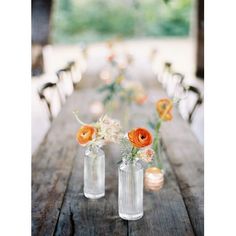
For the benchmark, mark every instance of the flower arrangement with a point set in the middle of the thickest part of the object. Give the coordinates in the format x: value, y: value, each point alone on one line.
x: 164, y: 113
x: 125, y: 90
x: 154, y: 175
x: 111, y: 89
x: 117, y: 85
x: 104, y: 131
x: 136, y: 145
x: 94, y: 136
x: 120, y: 95
x: 133, y: 91
x: 111, y: 58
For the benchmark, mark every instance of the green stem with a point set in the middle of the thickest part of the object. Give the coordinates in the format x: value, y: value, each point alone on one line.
x: 156, y: 145
x: 133, y: 153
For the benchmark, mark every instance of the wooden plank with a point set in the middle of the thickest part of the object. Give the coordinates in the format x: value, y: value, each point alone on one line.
x: 82, y: 216
x: 79, y: 215
x: 58, y: 204
x: 165, y: 211
x: 51, y: 168
x: 187, y: 160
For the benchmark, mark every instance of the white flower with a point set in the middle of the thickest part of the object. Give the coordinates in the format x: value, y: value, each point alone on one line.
x: 109, y: 130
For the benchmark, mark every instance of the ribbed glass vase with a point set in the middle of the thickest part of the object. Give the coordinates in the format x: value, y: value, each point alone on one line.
x: 94, y: 172
x: 130, y: 190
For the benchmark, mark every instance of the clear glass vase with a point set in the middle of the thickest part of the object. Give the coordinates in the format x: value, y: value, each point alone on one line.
x: 130, y: 190
x: 94, y: 172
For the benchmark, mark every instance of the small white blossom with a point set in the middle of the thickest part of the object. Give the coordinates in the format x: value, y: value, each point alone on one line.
x: 109, y: 130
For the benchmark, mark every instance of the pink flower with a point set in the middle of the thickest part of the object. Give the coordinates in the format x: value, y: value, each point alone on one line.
x: 146, y: 154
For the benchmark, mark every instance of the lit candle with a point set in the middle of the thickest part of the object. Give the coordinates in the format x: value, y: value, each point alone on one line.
x: 153, y: 179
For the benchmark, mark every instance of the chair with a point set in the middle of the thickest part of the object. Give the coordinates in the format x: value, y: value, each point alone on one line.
x: 197, y: 103
x: 175, y: 80
x: 46, y: 93
x: 166, y: 74
x: 193, y: 97
x: 179, y: 77
x: 65, y: 81
x: 76, y: 70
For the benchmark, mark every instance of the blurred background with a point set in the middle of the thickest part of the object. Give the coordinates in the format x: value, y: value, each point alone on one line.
x: 159, y: 39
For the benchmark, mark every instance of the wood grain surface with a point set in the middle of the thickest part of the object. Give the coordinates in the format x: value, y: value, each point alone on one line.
x: 60, y: 208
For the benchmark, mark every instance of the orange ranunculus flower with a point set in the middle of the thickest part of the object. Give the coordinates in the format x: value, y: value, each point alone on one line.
x: 140, y: 137
x: 164, y: 108
x: 85, y: 134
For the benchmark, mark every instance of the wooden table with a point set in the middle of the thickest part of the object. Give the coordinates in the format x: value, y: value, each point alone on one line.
x: 60, y: 208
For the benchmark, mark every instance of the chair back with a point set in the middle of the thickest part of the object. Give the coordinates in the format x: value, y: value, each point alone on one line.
x: 65, y: 82
x: 50, y: 95
x: 175, y: 80
x: 189, y: 105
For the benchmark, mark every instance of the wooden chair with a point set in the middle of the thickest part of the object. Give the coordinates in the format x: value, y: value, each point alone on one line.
x: 47, y: 97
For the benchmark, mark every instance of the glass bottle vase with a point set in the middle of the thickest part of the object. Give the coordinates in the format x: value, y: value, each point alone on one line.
x: 130, y: 190
x: 94, y: 172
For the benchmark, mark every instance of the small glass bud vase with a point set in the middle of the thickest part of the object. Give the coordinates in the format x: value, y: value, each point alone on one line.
x: 130, y: 190
x: 94, y: 172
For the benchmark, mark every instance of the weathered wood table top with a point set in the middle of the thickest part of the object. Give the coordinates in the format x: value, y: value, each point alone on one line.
x: 60, y: 208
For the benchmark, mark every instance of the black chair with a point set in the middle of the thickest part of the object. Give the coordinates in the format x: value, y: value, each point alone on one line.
x: 42, y: 92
